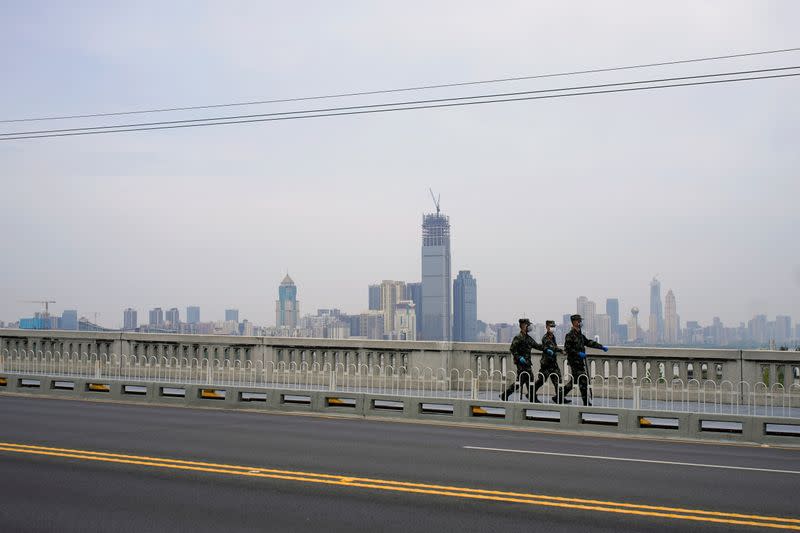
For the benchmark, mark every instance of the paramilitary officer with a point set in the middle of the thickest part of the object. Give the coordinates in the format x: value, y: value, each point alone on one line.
x: 548, y: 365
x: 520, y: 350
x: 575, y: 344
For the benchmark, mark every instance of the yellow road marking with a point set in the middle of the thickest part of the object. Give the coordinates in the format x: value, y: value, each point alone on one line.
x: 419, y: 488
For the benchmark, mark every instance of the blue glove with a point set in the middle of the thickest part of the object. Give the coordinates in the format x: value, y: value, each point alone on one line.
x: 605, y: 348
x: 582, y: 355
x: 522, y: 360
x: 549, y: 352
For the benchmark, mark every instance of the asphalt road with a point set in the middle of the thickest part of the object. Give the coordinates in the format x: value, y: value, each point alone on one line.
x: 176, y: 469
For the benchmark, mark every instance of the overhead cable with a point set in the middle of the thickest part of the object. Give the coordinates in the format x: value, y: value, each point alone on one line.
x: 407, y: 89
x: 198, y: 121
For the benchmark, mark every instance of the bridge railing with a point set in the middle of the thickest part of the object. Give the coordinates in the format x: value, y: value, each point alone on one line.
x: 648, y: 392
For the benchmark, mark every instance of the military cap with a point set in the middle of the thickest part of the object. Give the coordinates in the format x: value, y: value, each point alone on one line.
x: 524, y: 321
x: 550, y: 323
x: 573, y: 318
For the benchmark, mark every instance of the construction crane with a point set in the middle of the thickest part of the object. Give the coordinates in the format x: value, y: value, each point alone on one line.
x: 45, y: 302
x: 435, y: 200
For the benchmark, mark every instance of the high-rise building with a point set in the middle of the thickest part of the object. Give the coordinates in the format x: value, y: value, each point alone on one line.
x: 173, y: 317
x: 193, y: 314
x: 156, y: 317
x: 587, y: 309
x: 405, y: 321
x: 590, y: 319
x: 717, y: 332
x: 436, y: 278
x: 391, y: 293
x: 232, y: 315
x: 672, y: 326
x: 287, y: 307
x: 633, y: 325
x: 465, y: 307
x: 371, y: 324
x: 414, y: 293
x: 656, y: 322
x: 375, y: 297
x: 783, y: 329
x: 602, y: 324
x: 129, y: 320
x: 757, y: 328
x: 69, y: 320
x: 612, y: 310
x: 622, y: 333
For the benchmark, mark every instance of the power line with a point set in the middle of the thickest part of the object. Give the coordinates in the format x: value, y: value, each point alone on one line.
x: 407, y: 89
x: 431, y: 106
x: 198, y: 121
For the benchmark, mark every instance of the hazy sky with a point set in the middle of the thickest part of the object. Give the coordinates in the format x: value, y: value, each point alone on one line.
x: 548, y: 199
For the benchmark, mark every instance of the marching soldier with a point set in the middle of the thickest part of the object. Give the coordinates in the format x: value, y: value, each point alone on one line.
x: 548, y: 365
x: 520, y: 350
x: 575, y: 345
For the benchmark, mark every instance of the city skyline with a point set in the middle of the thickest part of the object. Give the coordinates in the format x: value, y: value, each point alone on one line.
x: 225, y: 309
x: 625, y: 186
x: 758, y: 332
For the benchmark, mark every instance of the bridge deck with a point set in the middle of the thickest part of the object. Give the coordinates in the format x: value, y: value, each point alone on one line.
x: 45, y: 492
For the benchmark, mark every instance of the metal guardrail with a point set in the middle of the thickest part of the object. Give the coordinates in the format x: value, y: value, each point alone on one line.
x: 629, y: 392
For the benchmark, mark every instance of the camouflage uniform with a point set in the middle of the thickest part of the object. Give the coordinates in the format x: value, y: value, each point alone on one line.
x: 521, y: 346
x: 574, y: 343
x: 548, y: 367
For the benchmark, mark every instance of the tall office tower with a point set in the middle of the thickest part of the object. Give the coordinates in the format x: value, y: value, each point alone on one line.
x: 465, y: 307
x: 581, y: 306
x: 232, y: 315
x: 633, y: 325
x: 405, y: 321
x: 783, y: 329
x: 414, y: 293
x: 287, y: 307
x: 436, y: 278
x: 129, y: 320
x: 717, y: 332
x: 173, y: 317
x: 375, y: 297
x: 69, y: 319
x: 656, y: 322
x: 156, y: 317
x: 671, y: 320
x: 589, y: 319
x: 391, y: 293
x: 612, y: 310
x: 757, y: 329
x: 602, y: 324
x: 192, y: 314
x: 587, y: 309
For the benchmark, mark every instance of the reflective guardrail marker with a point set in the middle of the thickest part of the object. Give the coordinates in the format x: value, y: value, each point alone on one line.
x: 213, y: 394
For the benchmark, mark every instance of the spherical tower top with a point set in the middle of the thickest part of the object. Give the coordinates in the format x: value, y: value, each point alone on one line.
x: 634, y: 311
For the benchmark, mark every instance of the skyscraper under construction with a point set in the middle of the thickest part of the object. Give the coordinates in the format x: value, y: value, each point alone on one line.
x: 436, y: 278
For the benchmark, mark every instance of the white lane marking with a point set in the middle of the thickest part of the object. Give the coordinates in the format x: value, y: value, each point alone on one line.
x: 727, y: 467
